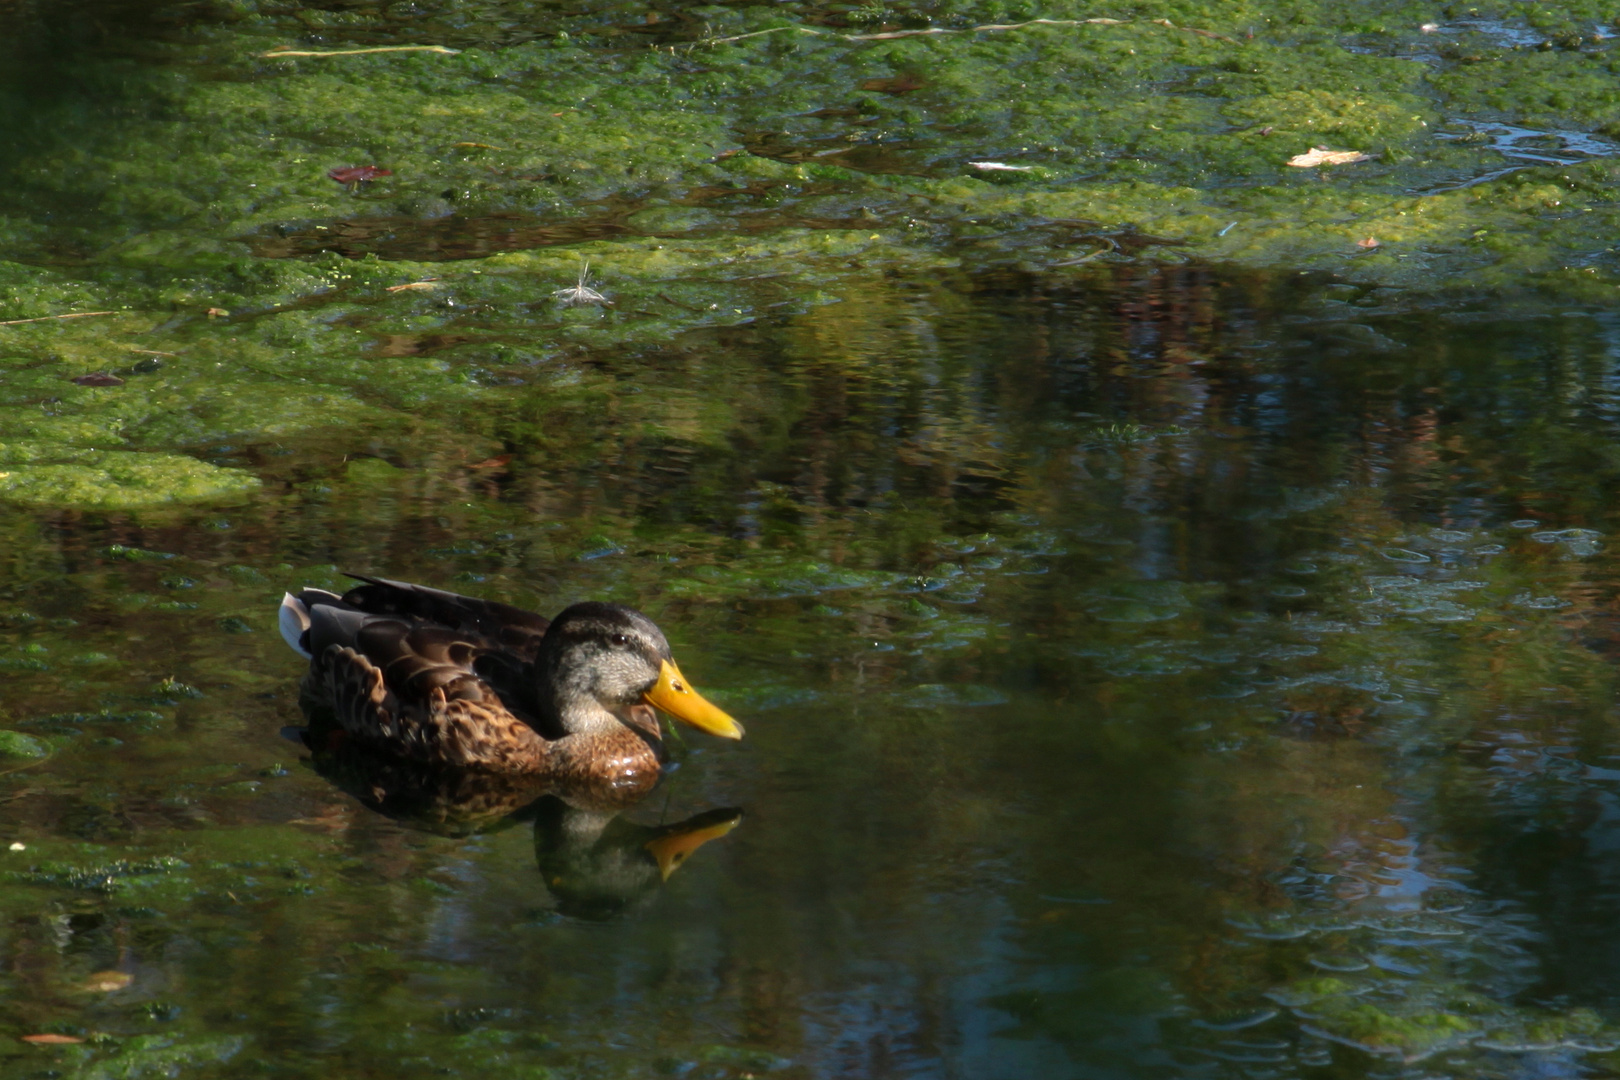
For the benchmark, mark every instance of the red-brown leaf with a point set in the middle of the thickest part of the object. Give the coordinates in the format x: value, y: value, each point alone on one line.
x: 900, y: 84
x: 358, y: 174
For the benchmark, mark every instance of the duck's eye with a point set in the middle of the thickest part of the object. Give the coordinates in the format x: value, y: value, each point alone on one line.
x: 619, y: 641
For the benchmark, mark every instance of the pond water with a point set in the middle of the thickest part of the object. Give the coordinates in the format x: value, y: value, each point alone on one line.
x: 1151, y: 669
x: 1170, y: 674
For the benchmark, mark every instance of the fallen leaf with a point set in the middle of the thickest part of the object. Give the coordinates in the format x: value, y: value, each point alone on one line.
x: 1321, y: 155
x: 1368, y: 243
x: 51, y: 1039
x: 107, y: 981
x: 358, y: 174
x: 900, y: 84
x: 97, y: 378
x: 332, y: 818
x: 414, y: 285
x: 217, y: 313
x: 492, y: 463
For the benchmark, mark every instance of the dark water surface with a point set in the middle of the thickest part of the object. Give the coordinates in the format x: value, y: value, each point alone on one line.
x: 1175, y: 674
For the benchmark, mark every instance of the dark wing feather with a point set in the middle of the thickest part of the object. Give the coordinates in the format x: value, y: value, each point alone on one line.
x: 417, y: 660
x: 394, y: 681
x: 419, y: 654
x: 493, y: 624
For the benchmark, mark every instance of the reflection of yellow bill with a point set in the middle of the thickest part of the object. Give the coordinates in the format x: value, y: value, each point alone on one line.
x: 671, y: 851
x: 675, y: 695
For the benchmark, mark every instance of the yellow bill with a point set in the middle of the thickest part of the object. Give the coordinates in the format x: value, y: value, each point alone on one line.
x: 675, y: 695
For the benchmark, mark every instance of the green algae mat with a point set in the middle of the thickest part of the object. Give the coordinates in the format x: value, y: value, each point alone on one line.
x: 1144, y: 475
x: 169, y: 167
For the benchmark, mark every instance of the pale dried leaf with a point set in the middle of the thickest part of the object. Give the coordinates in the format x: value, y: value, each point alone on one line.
x: 1321, y: 155
x: 106, y: 982
x: 414, y: 285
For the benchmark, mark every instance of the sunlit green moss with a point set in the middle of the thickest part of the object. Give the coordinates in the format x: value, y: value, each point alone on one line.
x: 111, y: 479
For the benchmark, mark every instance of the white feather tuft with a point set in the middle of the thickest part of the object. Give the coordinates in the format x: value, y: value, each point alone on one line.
x: 294, y: 622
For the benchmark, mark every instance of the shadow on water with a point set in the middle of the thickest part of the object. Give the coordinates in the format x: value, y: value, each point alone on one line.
x: 1161, y: 673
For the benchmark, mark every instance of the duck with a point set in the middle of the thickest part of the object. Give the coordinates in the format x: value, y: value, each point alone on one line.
x: 465, y: 684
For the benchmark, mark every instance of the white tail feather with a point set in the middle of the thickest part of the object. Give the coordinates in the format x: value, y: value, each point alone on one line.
x: 294, y: 621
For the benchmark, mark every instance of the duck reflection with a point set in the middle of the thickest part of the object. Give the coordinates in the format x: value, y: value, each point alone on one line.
x: 595, y: 863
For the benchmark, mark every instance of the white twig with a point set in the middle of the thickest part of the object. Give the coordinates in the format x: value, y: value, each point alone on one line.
x: 937, y: 31
x: 275, y: 53
x: 48, y: 318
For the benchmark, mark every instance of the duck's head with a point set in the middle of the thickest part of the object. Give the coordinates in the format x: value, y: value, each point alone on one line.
x: 600, y: 660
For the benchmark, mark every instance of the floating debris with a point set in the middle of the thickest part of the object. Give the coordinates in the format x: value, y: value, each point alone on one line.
x: 285, y: 52
x: 580, y: 293
x: 1321, y: 155
x: 352, y: 176
x: 107, y: 982
x: 999, y: 166
x: 48, y: 318
x: 900, y: 84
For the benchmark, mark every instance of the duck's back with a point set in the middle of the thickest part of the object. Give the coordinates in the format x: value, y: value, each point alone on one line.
x: 425, y: 674
x: 497, y: 627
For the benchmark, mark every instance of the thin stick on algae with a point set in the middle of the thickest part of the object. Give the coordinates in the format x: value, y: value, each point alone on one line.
x: 1081, y: 259
x: 942, y: 30
x: 48, y: 318
x: 274, y: 53
x: 985, y: 29
x: 762, y: 33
